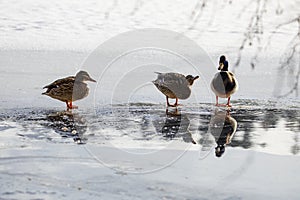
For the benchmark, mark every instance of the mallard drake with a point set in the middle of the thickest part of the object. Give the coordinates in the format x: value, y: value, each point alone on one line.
x: 223, y: 128
x: 224, y: 83
x: 174, y: 85
x: 69, y: 89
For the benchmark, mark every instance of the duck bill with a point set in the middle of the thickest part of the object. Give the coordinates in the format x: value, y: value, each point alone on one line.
x: 196, y: 77
x: 92, y: 80
x: 221, y: 66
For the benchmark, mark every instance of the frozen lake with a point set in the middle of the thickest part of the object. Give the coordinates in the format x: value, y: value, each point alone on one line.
x: 122, y: 143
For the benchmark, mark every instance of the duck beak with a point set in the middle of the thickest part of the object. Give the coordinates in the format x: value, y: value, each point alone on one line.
x: 92, y: 80
x: 221, y: 66
x: 196, y: 77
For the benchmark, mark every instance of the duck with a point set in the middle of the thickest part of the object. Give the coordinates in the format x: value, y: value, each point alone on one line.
x: 174, y: 86
x: 223, y: 128
x: 177, y: 124
x: 224, y: 84
x: 69, y: 89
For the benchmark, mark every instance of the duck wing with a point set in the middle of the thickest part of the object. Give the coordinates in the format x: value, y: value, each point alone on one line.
x: 63, y: 82
x: 229, y: 81
x: 174, y: 83
x: 224, y: 84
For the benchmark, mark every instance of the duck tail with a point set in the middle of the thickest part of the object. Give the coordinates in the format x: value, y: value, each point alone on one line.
x: 158, y: 73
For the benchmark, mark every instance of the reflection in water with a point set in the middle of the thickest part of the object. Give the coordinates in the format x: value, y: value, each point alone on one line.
x: 222, y: 127
x: 261, y: 128
x: 257, y: 129
x: 172, y: 124
x: 37, y: 124
x: 267, y: 129
x: 174, y: 121
x: 68, y: 124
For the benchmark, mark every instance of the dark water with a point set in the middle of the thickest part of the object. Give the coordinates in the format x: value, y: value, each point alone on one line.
x: 259, y: 126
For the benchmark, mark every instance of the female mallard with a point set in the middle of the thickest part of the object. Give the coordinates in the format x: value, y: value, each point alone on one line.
x: 224, y: 84
x: 69, y: 89
x: 174, y: 86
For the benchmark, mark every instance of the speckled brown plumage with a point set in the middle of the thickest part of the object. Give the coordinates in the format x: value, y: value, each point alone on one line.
x: 174, y: 85
x: 69, y: 89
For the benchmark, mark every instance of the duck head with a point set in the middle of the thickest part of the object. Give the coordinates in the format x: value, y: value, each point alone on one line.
x: 222, y: 63
x: 83, y: 76
x: 219, y: 150
x: 190, y: 79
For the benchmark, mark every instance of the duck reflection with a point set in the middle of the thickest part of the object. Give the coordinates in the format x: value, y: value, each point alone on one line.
x: 222, y: 127
x: 68, y: 124
x: 176, y: 125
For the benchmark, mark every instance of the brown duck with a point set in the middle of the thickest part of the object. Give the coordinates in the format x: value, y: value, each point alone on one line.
x: 174, y: 86
x: 69, y: 89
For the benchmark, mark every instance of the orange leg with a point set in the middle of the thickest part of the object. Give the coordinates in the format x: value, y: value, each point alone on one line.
x: 68, y: 106
x: 168, y: 104
x: 72, y: 106
x: 228, y: 102
x: 175, y: 104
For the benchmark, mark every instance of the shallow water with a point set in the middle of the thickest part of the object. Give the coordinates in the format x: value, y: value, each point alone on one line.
x: 261, y: 126
x: 53, y: 153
